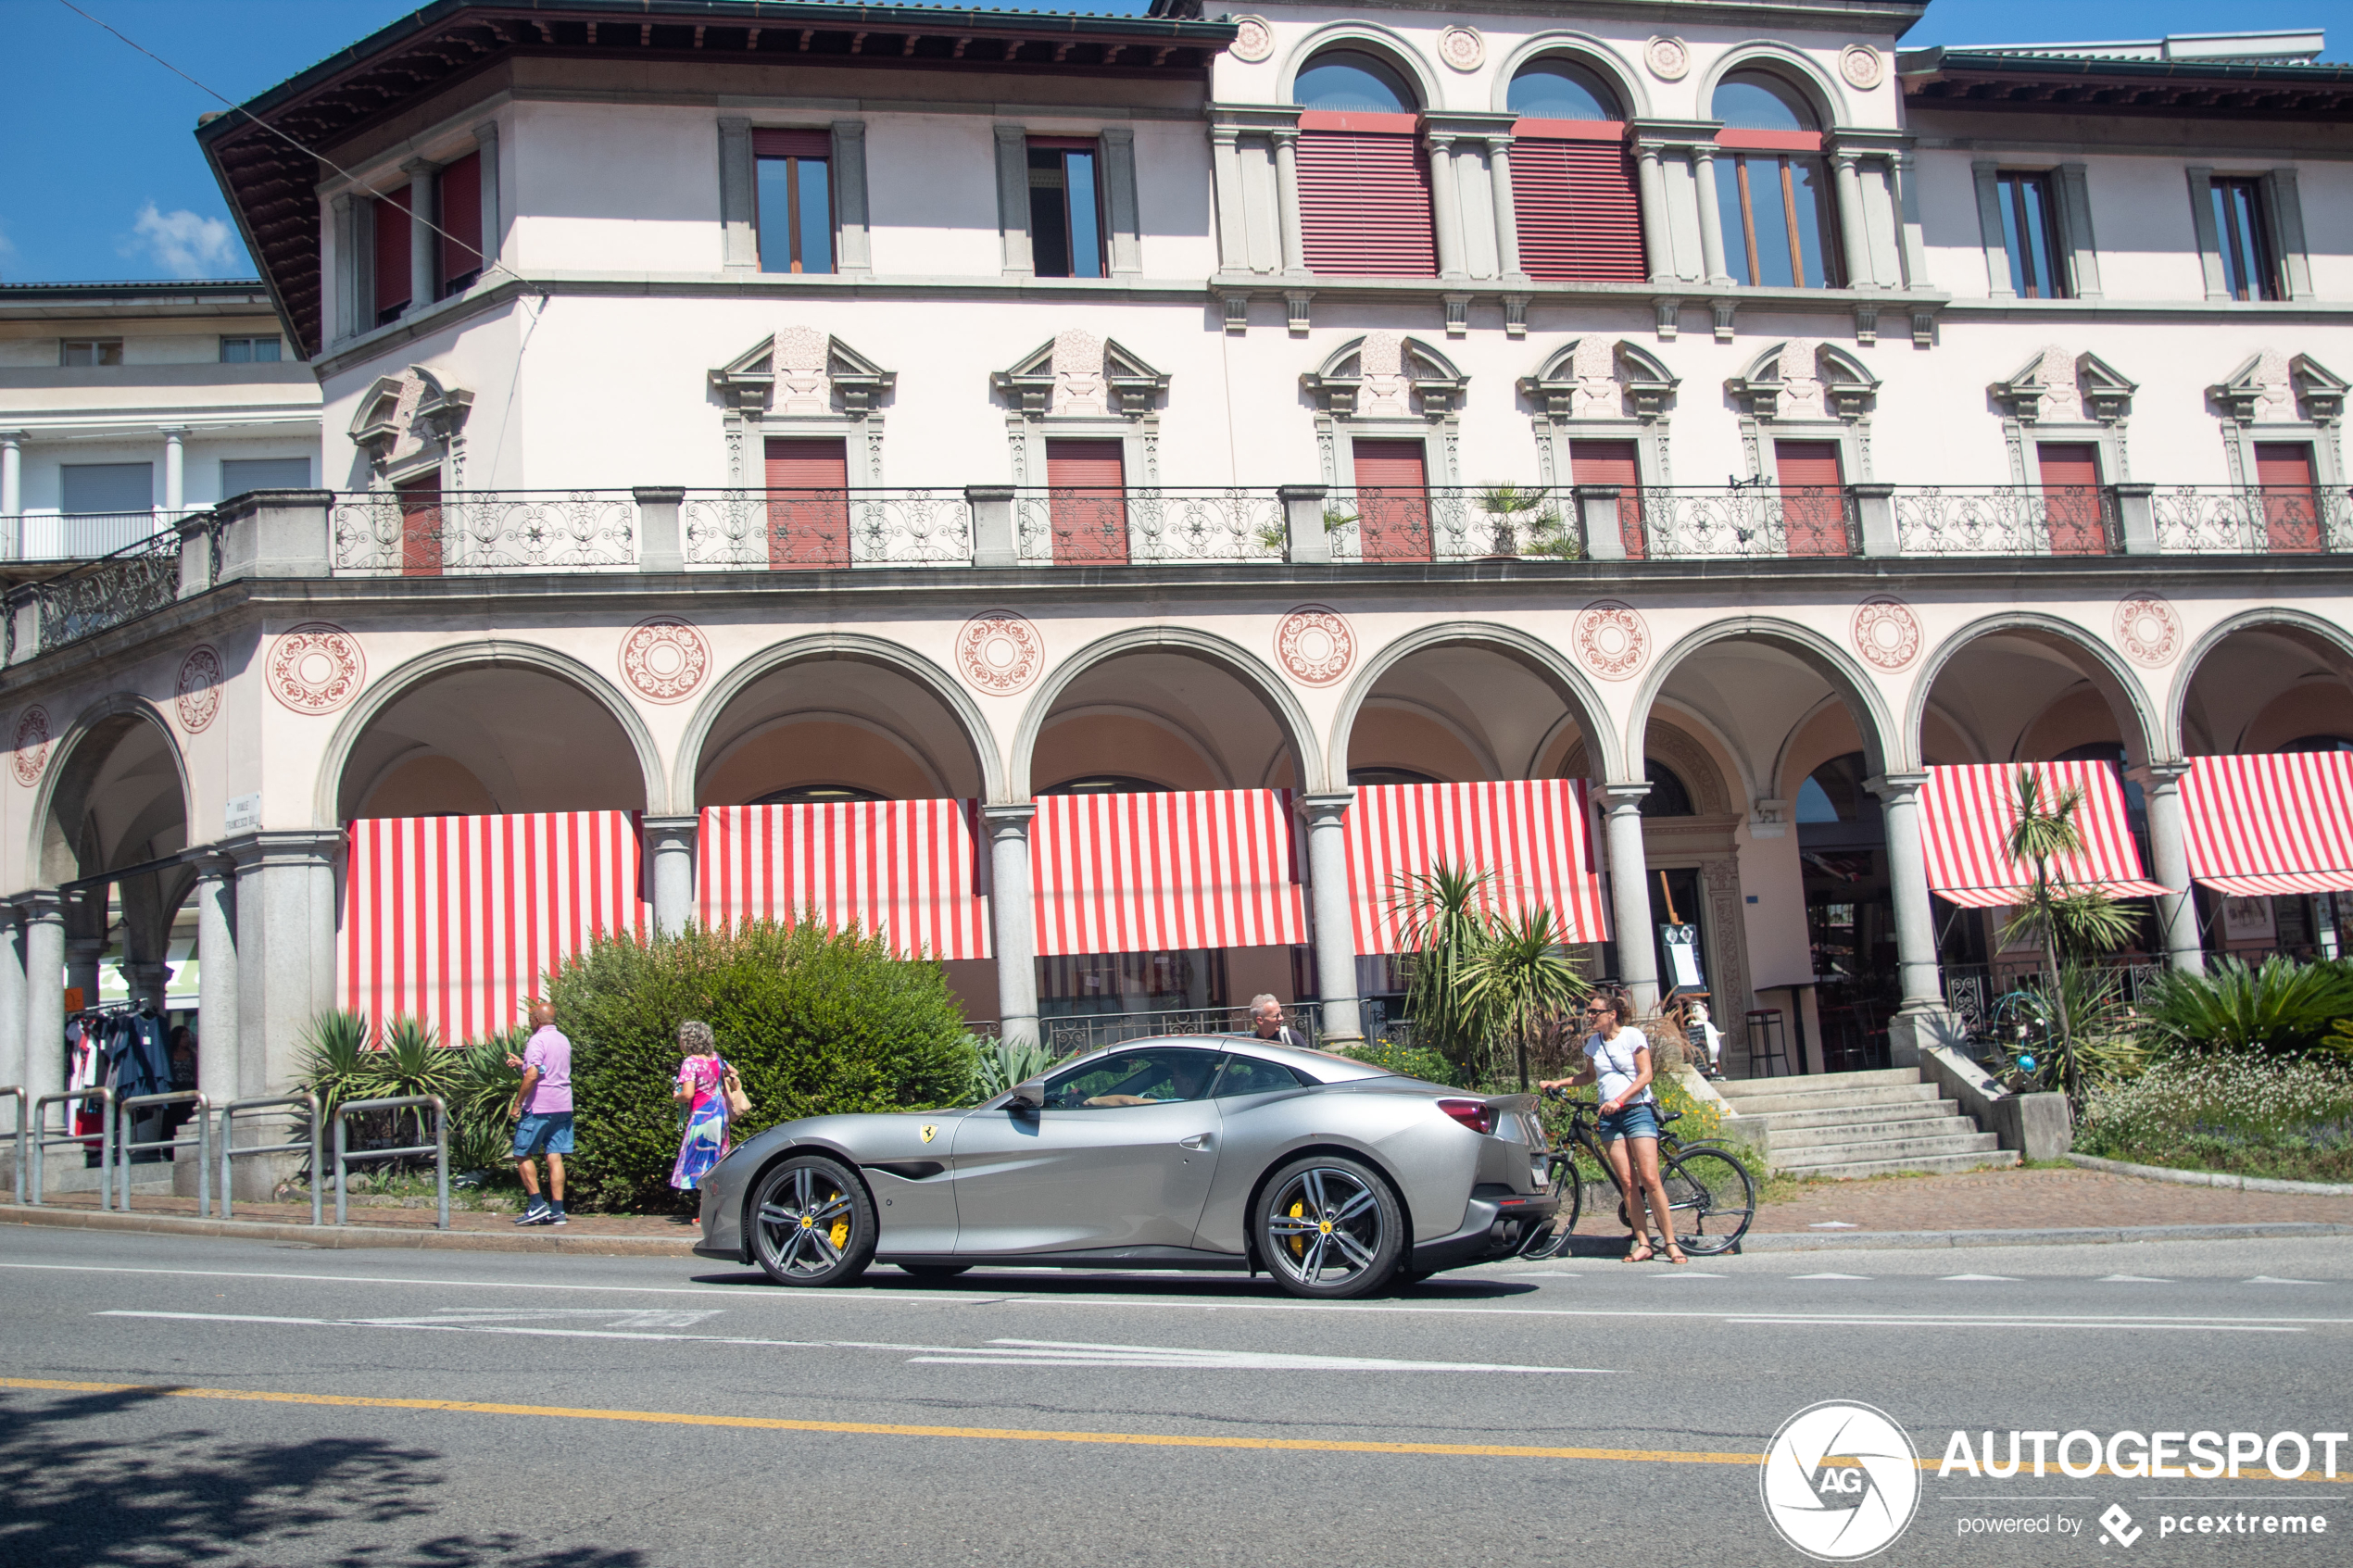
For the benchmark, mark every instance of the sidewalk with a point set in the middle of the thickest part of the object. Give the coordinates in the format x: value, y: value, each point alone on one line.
x: 378, y: 1225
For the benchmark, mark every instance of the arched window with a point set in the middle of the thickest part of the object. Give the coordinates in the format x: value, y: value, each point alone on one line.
x: 1554, y: 89
x: 2319, y: 743
x: 1363, y: 176
x: 816, y: 794
x: 1670, y: 796
x: 1368, y: 777
x: 1579, y: 214
x: 1352, y: 82
x: 1106, y: 783
x: 1772, y: 188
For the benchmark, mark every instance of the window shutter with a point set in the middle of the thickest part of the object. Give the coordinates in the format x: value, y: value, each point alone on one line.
x: 392, y: 251
x: 1086, y: 504
x: 2291, y: 512
x: 1613, y: 463
x: 2071, y: 474
x: 1813, y: 497
x: 1581, y: 217
x: 420, y: 536
x: 1364, y: 200
x: 1392, y: 499
x: 808, y: 503
x: 792, y: 144
x: 460, y: 237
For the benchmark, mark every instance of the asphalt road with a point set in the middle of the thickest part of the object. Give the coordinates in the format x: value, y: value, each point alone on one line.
x: 1053, y: 1419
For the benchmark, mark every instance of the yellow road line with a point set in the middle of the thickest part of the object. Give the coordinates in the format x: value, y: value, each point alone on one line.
x: 884, y: 1429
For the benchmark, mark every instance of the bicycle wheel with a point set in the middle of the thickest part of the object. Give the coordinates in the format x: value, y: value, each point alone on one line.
x: 1571, y: 1194
x: 1713, y: 1199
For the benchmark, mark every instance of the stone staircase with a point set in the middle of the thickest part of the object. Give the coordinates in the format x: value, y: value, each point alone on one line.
x: 1844, y: 1125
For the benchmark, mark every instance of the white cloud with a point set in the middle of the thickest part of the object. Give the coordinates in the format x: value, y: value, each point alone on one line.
x: 185, y: 244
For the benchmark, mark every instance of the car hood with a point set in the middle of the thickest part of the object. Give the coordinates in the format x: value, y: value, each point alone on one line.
x: 870, y: 1137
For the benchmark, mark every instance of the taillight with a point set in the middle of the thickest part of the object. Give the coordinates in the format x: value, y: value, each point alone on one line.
x: 1476, y: 1114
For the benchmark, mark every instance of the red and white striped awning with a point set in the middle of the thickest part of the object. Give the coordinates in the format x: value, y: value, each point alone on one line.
x: 906, y: 869
x: 1533, y: 835
x: 1135, y: 874
x: 1966, y: 815
x: 2269, y: 824
x: 456, y: 920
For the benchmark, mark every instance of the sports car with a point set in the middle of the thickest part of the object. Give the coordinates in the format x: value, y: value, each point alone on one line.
x: 1334, y: 1177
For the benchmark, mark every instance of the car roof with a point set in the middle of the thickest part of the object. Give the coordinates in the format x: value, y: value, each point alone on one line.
x: 1322, y: 1066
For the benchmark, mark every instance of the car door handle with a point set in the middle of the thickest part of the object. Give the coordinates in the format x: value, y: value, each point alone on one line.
x: 1199, y: 1140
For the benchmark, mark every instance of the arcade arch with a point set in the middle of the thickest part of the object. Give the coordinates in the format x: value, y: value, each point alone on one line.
x: 2262, y: 683
x: 832, y: 724
x: 2020, y: 688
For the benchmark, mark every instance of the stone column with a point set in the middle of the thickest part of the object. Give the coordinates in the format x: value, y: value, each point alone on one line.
x: 45, y: 992
x: 1907, y: 217
x: 1285, y: 141
x: 216, y: 977
x: 2168, y: 846
x: 1854, y: 238
x: 1499, y: 174
x: 670, y: 842
x: 1233, y: 223
x: 1011, y: 928
x: 423, y: 243
x: 175, y: 471
x: 1629, y: 897
x: 11, y: 472
x: 1711, y: 215
x: 1658, y: 244
x: 1335, y: 922
x: 82, y: 954
x: 1921, y: 1021
x: 12, y: 1037
x: 285, y: 943
x: 1448, y: 200
x: 486, y: 144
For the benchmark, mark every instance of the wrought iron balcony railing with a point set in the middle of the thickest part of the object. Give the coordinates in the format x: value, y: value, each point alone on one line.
x: 1074, y: 526
x: 809, y: 530
x: 2274, y: 520
x: 48, y: 536
x: 116, y: 588
x: 1733, y: 522
x: 2066, y: 521
x: 461, y: 532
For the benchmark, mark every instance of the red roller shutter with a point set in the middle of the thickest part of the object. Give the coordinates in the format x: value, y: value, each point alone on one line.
x: 1813, y: 497
x: 2070, y: 471
x: 391, y: 252
x: 1392, y: 500
x: 1613, y: 463
x: 420, y: 526
x: 808, y: 503
x: 460, y: 220
x: 2291, y: 510
x: 1087, y: 501
x: 1581, y: 217
x: 1364, y: 197
x: 792, y: 144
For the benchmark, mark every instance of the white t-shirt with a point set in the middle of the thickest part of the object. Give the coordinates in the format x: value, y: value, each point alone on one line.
x: 1614, y: 1063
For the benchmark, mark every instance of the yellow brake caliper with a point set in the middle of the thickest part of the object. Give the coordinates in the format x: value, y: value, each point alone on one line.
x: 839, y: 1235
x: 1297, y: 1244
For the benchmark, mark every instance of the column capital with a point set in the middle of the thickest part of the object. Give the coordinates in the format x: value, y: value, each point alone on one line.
x: 2160, y: 775
x: 1009, y: 821
x: 1894, y: 786
x: 1278, y: 134
x: 672, y: 828
x: 1329, y: 807
x: 11, y: 437
x: 282, y: 848
x: 1622, y: 796
x: 213, y: 865
x: 418, y: 168
x: 41, y: 903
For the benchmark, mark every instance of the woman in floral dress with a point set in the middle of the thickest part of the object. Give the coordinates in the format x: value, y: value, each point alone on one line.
x: 702, y: 1087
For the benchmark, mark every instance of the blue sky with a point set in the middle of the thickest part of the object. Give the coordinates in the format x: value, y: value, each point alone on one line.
x: 105, y: 180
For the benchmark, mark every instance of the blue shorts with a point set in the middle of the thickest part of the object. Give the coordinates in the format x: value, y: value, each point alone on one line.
x: 1636, y: 1121
x: 548, y: 1134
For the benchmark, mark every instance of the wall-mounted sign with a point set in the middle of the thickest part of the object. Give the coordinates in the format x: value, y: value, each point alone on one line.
x: 244, y: 814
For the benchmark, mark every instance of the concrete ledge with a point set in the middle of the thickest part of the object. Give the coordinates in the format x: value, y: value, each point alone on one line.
x: 534, y: 1239
x: 2039, y: 1125
x: 1740, y: 1129
x: 1780, y: 1241
x: 2211, y: 1178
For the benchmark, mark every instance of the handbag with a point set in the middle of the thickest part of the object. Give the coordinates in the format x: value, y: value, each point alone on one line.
x: 738, y: 1102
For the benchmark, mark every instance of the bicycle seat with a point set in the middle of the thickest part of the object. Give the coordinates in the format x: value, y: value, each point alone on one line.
x: 1666, y: 1116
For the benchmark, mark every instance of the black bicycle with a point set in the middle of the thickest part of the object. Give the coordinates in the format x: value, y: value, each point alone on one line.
x: 1710, y: 1193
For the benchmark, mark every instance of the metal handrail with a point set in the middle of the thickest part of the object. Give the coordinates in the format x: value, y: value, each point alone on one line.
x: 230, y: 1151
x: 17, y: 1093
x: 41, y: 1140
x: 203, y: 1140
x: 438, y: 1148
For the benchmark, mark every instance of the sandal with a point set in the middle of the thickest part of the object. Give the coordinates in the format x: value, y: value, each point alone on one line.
x: 1675, y: 1254
x: 1645, y: 1256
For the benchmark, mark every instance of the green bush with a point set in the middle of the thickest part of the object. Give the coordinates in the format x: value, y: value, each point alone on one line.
x: 1408, y: 1062
x: 816, y: 1021
x: 998, y: 1065
x: 2284, y: 1006
x: 2246, y: 1115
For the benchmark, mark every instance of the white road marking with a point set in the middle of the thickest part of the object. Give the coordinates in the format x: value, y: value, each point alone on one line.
x: 2006, y: 1279
x: 2008, y: 1325
x: 2132, y: 1279
x: 1685, y: 1273
x: 996, y: 1352
x: 1829, y: 1276
x: 2267, y: 1279
x: 1833, y: 1225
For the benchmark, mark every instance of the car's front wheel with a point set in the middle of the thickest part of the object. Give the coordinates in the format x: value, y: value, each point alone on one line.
x: 1330, y: 1228
x: 811, y: 1223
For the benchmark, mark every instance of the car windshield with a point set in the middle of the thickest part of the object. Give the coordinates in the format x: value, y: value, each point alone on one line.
x: 1158, y: 1076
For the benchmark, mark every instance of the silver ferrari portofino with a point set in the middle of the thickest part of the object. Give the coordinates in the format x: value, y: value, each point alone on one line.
x: 1330, y: 1174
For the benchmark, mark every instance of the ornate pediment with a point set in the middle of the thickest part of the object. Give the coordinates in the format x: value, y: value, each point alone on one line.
x: 2319, y: 391
x: 800, y: 370
x: 2054, y: 388
x: 1803, y: 379
x: 1079, y: 373
x: 397, y: 414
x: 1385, y: 375
x: 1593, y: 378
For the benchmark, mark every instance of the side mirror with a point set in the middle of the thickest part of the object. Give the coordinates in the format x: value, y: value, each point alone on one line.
x: 1027, y: 1098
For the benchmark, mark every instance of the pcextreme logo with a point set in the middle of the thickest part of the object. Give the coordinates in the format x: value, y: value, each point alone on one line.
x: 1840, y: 1481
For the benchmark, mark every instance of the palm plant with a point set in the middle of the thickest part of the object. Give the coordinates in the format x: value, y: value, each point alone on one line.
x: 2283, y: 1005
x: 1507, y: 504
x: 998, y: 1065
x: 2055, y: 914
x: 1520, y: 978
x: 483, y: 1086
x: 335, y: 1051
x: 1445, y: 926
x: 410, y: 1061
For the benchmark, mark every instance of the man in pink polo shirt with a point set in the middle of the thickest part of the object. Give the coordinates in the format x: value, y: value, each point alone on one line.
x: 544, y: 1106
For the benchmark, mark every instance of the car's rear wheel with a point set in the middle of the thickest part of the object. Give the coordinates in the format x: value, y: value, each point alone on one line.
x: 811, y: 1223
x: 935, y: 1271
x: 1330, y: 1228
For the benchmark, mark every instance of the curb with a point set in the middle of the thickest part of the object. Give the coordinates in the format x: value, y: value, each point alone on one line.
x: 343, y: 1236
x: 2212, y: 1178
x: 1790, y: 1241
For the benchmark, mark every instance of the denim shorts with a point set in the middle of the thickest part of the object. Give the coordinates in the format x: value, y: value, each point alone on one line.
x: 1636, y: 1121
x: 548, y: 1134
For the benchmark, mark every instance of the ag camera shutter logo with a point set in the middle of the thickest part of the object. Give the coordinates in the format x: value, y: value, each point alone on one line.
x: 1840, y: 1481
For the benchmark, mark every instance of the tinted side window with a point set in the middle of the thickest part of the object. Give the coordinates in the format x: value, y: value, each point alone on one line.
x: 1141, y: 1077
x: 1247, y: 1075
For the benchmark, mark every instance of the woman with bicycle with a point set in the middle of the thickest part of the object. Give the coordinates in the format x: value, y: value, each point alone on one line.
x: 1618, y: 1059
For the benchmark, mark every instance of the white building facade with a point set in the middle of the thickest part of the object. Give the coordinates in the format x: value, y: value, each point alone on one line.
x: 795, y: 408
